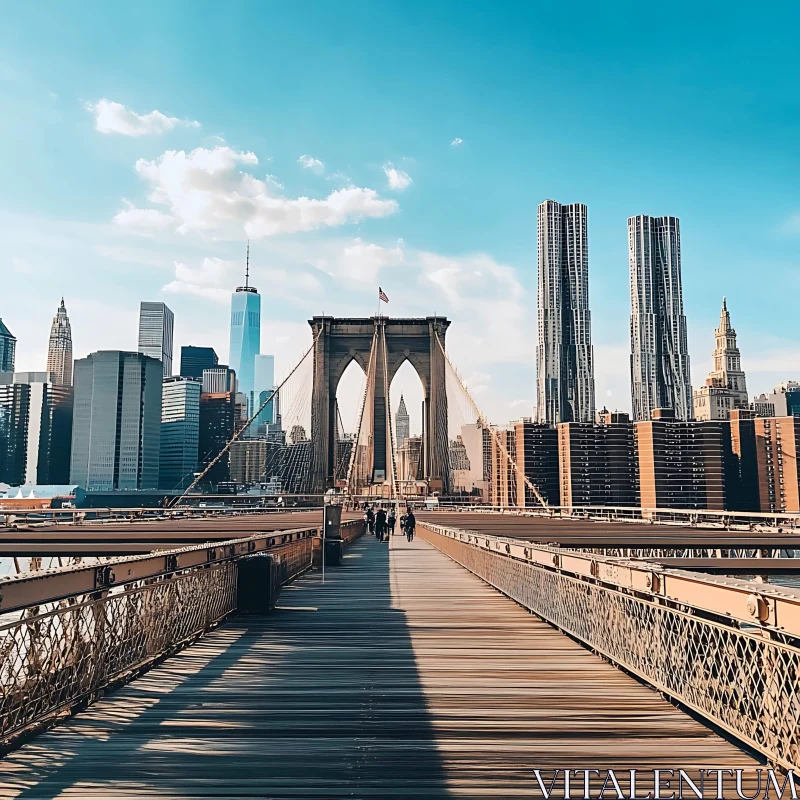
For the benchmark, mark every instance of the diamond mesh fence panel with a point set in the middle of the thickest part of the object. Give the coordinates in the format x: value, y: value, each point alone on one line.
x: 56, y: 655
x: 740, y: 680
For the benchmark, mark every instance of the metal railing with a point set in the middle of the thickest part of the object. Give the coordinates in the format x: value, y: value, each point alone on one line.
x: 745, y: 520
x: 728, y: 649
x: 9, y: 515
x: 68, y: 634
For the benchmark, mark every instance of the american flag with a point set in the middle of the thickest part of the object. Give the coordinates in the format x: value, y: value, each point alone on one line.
x: 382, y: 295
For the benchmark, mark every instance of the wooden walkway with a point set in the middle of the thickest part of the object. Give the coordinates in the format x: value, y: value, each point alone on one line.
x: 402, y: 676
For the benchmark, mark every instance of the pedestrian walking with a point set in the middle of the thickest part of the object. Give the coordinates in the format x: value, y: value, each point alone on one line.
x: 380, y: 524
x: 410, y: 525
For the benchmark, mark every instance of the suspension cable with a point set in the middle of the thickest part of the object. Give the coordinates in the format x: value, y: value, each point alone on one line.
x: 354, y: 449
x: 389, y: 437
x: 246, y: 425
x: 482, y: 421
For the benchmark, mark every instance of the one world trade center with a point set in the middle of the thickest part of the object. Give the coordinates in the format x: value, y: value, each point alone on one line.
x: 245, y: 335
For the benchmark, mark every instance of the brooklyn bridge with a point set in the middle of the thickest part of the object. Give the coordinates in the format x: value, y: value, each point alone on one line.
x: 264, y: 651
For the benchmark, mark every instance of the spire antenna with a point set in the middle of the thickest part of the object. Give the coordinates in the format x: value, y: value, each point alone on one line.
x: 247, y: 268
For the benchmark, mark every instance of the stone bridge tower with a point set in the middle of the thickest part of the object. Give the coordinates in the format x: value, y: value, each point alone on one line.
x: 340, y: 341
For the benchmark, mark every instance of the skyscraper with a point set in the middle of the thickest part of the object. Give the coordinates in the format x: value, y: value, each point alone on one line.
x: 8, y: 347
x: 264, y: 383
x: 660, y: 375
x: 402, y: 423
x: 726, y: 388
x: 564, y: 356
x: 155, y: 333
x: 180, y: 430
x: 245, y: 343
x: 49, y: 428
x: 15, y: 400
x: 217, y: 426
x: 219, y: 379
x: 195, y: 359
x: 59, y: 350
x: 116, y: 430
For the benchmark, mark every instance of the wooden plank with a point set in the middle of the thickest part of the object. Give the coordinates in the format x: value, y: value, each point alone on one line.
x: 402, y: 675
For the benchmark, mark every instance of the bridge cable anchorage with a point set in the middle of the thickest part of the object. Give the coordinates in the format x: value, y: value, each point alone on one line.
x: 359, y: 453
x: 484, y: 424
x: 238, y: 434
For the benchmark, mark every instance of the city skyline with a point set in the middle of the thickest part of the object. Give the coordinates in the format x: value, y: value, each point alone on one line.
x: 429, y: 196
x: 60, y: 330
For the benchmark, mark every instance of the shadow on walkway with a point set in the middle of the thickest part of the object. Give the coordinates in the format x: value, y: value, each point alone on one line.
x: 320, y: 699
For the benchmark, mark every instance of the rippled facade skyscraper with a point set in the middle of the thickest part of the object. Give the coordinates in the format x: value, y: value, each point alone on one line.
x: 59, y: 350
x: 660, y: 375
x: 564, y: 356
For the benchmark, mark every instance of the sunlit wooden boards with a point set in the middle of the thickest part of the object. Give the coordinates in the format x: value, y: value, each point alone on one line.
x: 402, y: 675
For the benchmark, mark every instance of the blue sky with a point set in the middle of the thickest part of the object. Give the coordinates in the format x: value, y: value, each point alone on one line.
x: 689, y: 110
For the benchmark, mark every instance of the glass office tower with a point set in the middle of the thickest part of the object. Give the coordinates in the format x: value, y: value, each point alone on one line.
x: 155, y: 333
x: 116, y: 427
x: 245, y: 336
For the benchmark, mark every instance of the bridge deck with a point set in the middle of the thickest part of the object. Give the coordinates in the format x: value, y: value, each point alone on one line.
x: 402, y: 676
x: 599, y: 533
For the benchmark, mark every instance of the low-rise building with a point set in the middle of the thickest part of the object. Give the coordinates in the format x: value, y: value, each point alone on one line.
x: 777, y: 442
x: 503, y: 491
x: 681, y: 464
x: 535, y: 449
x: 597, y: 463
x: 783, y: 401
x: 248, y: 459
x: 741, y: 466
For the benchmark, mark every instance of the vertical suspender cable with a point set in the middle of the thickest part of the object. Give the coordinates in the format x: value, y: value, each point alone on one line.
x: 484, y: 424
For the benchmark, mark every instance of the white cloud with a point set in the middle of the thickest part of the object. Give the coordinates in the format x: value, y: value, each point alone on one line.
x: 111, y: 117
x: 456, y: 142
x: 131, y: 255
x: 215, y: 278
x: 361, y: 261
x: 211, y: 271
x: 397, y: 178
x: 468, y: 279
x: 21, y: 265
x: 209, y: 292
x: 314, y: 164
x: 203, y: 281
x: 142, y: 220
x: 338, y: 176
x: 293, y: 285
x: 205, y: 190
